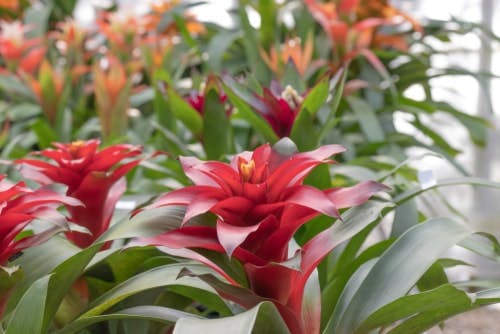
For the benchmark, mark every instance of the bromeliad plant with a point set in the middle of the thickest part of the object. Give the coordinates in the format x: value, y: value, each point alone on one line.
x: 259, y: 201
x: 19, y: 206
x: 94, y: 177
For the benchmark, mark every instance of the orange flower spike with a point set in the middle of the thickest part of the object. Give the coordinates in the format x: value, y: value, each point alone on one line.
x: 158, y: 10
x: 48, y: 89
x: 290, y: 50
x: 19, y: 53
x: 69, y: 36
x: 112, y: 92
x: 10, y: 5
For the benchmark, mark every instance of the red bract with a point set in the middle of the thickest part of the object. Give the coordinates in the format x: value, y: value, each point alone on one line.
x: 260, y: 201
x: 19, y: 205
x: 279, y: 107
x: 93, y: 176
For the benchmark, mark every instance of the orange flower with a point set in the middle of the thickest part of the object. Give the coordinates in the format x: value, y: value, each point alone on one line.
x: 122, y: 30
x: 112, y: 88
x: 11, y: 5
x: 155, y: 49
x: 291, y: 50
x: 18, y: 52
x: 70, y: 39
x: 352, y: 27
x: 48, y: 87
x: 158, y: 10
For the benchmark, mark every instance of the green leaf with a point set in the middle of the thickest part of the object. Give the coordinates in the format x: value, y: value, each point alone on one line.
x: 337, y: 81
x: 44, y: 132
x: 216, y: 127
x: 245, y: 111
x: 37, y: 18
x: 39, y: 261
x: 147, y: 312
x: 250, y: 40
x: 317, y: 95
x: 184, y: 112
x: 146, y: 223
x: 156, y: 277
x: 473, y: 181
x: 399, y: 268
x: 28, y: 317
x: 431, y: 307
x: 261, y: 319
x: 368, y: 120
x: 303, y: 132
x: 217, y: 47
x: 268, y: 11
x: 406, y: 216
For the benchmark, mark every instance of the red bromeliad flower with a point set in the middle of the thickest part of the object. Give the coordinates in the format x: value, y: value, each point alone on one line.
x: 20, y: 205
x: 197, y: 98
x: 260, y: 201
x: 279, y: 107
x: 95, y: 177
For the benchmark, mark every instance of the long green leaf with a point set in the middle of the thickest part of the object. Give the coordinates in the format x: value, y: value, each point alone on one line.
x: 217, y: 137
x: 367, y: 119
x: 400, y: 267
x: 28, y: 316
x: 147, y: 312
x: 441, y: 302
x: 156, y: 277
x: 261, y: 319
x: 184, y: 112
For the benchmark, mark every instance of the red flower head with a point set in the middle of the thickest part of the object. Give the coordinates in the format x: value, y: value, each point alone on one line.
x: 93, y: 176
x: 279, y: 107
x: 259, y: 201
x: 197, y: 98
x: 18, y: 207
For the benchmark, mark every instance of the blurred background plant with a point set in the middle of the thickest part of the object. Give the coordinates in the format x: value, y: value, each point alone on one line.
x: 352, y: 72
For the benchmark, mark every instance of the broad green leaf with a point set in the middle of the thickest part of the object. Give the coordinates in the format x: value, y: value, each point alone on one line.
x: 149, y: 312
x: 156, y: 277
x: 39, y: 261
x: 37, y: 18
x: 292, y: 77
x: 368, y: 120
x: 337, y: 81
x: 303, y: 133
x: 317, y: 95
x: 261, y: 319
x: 146, y: 223
x: 217, y: 137
x: 183, y: 111
x: 406, y: 216
x: 399, y: 268
x: 245, y: 110
x: 44, y: 132
x: 15, y: 88
x: 428, y: 307
x: 28, y: 316
x: 483, y: 244
x: 250, y: 40
x: 218, y: 46
x: 61, y: 281
x: 349, y: 291
x: 268, y: 11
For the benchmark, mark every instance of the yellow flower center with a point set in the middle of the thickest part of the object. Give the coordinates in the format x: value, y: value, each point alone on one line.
x: 246, y: 169
x: 75, y: 147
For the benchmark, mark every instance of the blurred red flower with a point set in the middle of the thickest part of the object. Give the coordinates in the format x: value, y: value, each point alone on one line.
x: 95, y: 177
